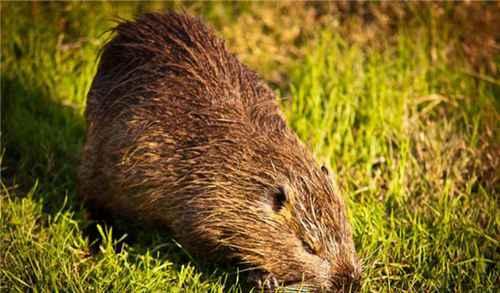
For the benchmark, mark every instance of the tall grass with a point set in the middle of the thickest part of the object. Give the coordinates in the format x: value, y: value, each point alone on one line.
x: 410, y: 133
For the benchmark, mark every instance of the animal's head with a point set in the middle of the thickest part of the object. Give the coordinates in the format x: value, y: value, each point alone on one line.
x: 282, y: 217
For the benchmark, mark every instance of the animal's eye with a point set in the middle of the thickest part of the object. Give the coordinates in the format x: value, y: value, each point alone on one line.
x: 308, y: 247
x: 325, y: 170
x: 279, y: 199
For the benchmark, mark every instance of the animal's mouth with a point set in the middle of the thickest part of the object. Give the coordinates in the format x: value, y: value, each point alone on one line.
x: 267, y: 282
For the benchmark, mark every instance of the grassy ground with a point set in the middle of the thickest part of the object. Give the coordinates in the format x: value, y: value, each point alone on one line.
x: 405, y: 117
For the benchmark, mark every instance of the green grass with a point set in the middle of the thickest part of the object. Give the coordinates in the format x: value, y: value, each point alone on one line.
x: 410, y: 132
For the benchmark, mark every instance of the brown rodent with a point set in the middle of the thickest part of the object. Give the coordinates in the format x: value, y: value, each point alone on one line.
x: 181, y: 134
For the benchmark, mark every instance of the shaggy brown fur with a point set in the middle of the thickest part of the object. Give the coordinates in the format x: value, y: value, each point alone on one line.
x: 182, y: 134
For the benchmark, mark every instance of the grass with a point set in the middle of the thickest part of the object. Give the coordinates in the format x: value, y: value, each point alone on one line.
x: 410, y: 130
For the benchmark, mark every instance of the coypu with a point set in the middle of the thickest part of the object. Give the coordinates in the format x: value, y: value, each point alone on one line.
x: 182, y: 135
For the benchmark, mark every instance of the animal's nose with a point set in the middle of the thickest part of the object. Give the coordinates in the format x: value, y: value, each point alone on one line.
x: 349, y: 281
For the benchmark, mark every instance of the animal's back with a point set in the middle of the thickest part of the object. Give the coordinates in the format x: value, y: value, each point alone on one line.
x: 173, y: 56
x: 163, y: 81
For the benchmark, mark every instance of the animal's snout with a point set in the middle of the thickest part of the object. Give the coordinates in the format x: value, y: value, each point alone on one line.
x: 347, y: 281
x: 347, y: 277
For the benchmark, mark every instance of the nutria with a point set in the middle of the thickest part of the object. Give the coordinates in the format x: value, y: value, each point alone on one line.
x: 181, y: 134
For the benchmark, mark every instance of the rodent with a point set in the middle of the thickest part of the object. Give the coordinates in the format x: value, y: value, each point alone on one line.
x: 183, y: 135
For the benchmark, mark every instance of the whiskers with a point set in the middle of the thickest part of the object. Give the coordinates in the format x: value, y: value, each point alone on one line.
x: 299, y: 287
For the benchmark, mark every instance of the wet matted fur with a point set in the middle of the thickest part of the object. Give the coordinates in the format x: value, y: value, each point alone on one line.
x: 181, y: 134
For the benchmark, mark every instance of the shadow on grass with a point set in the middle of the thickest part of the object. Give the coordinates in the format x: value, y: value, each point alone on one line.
x: 42, y: 140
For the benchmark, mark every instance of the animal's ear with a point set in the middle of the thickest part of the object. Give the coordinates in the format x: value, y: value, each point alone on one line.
x: 325, y: 170
x: 279, y: 199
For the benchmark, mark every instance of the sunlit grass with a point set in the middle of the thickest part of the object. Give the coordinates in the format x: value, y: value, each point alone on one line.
x: 411, y: 136
x: 401, y: 135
